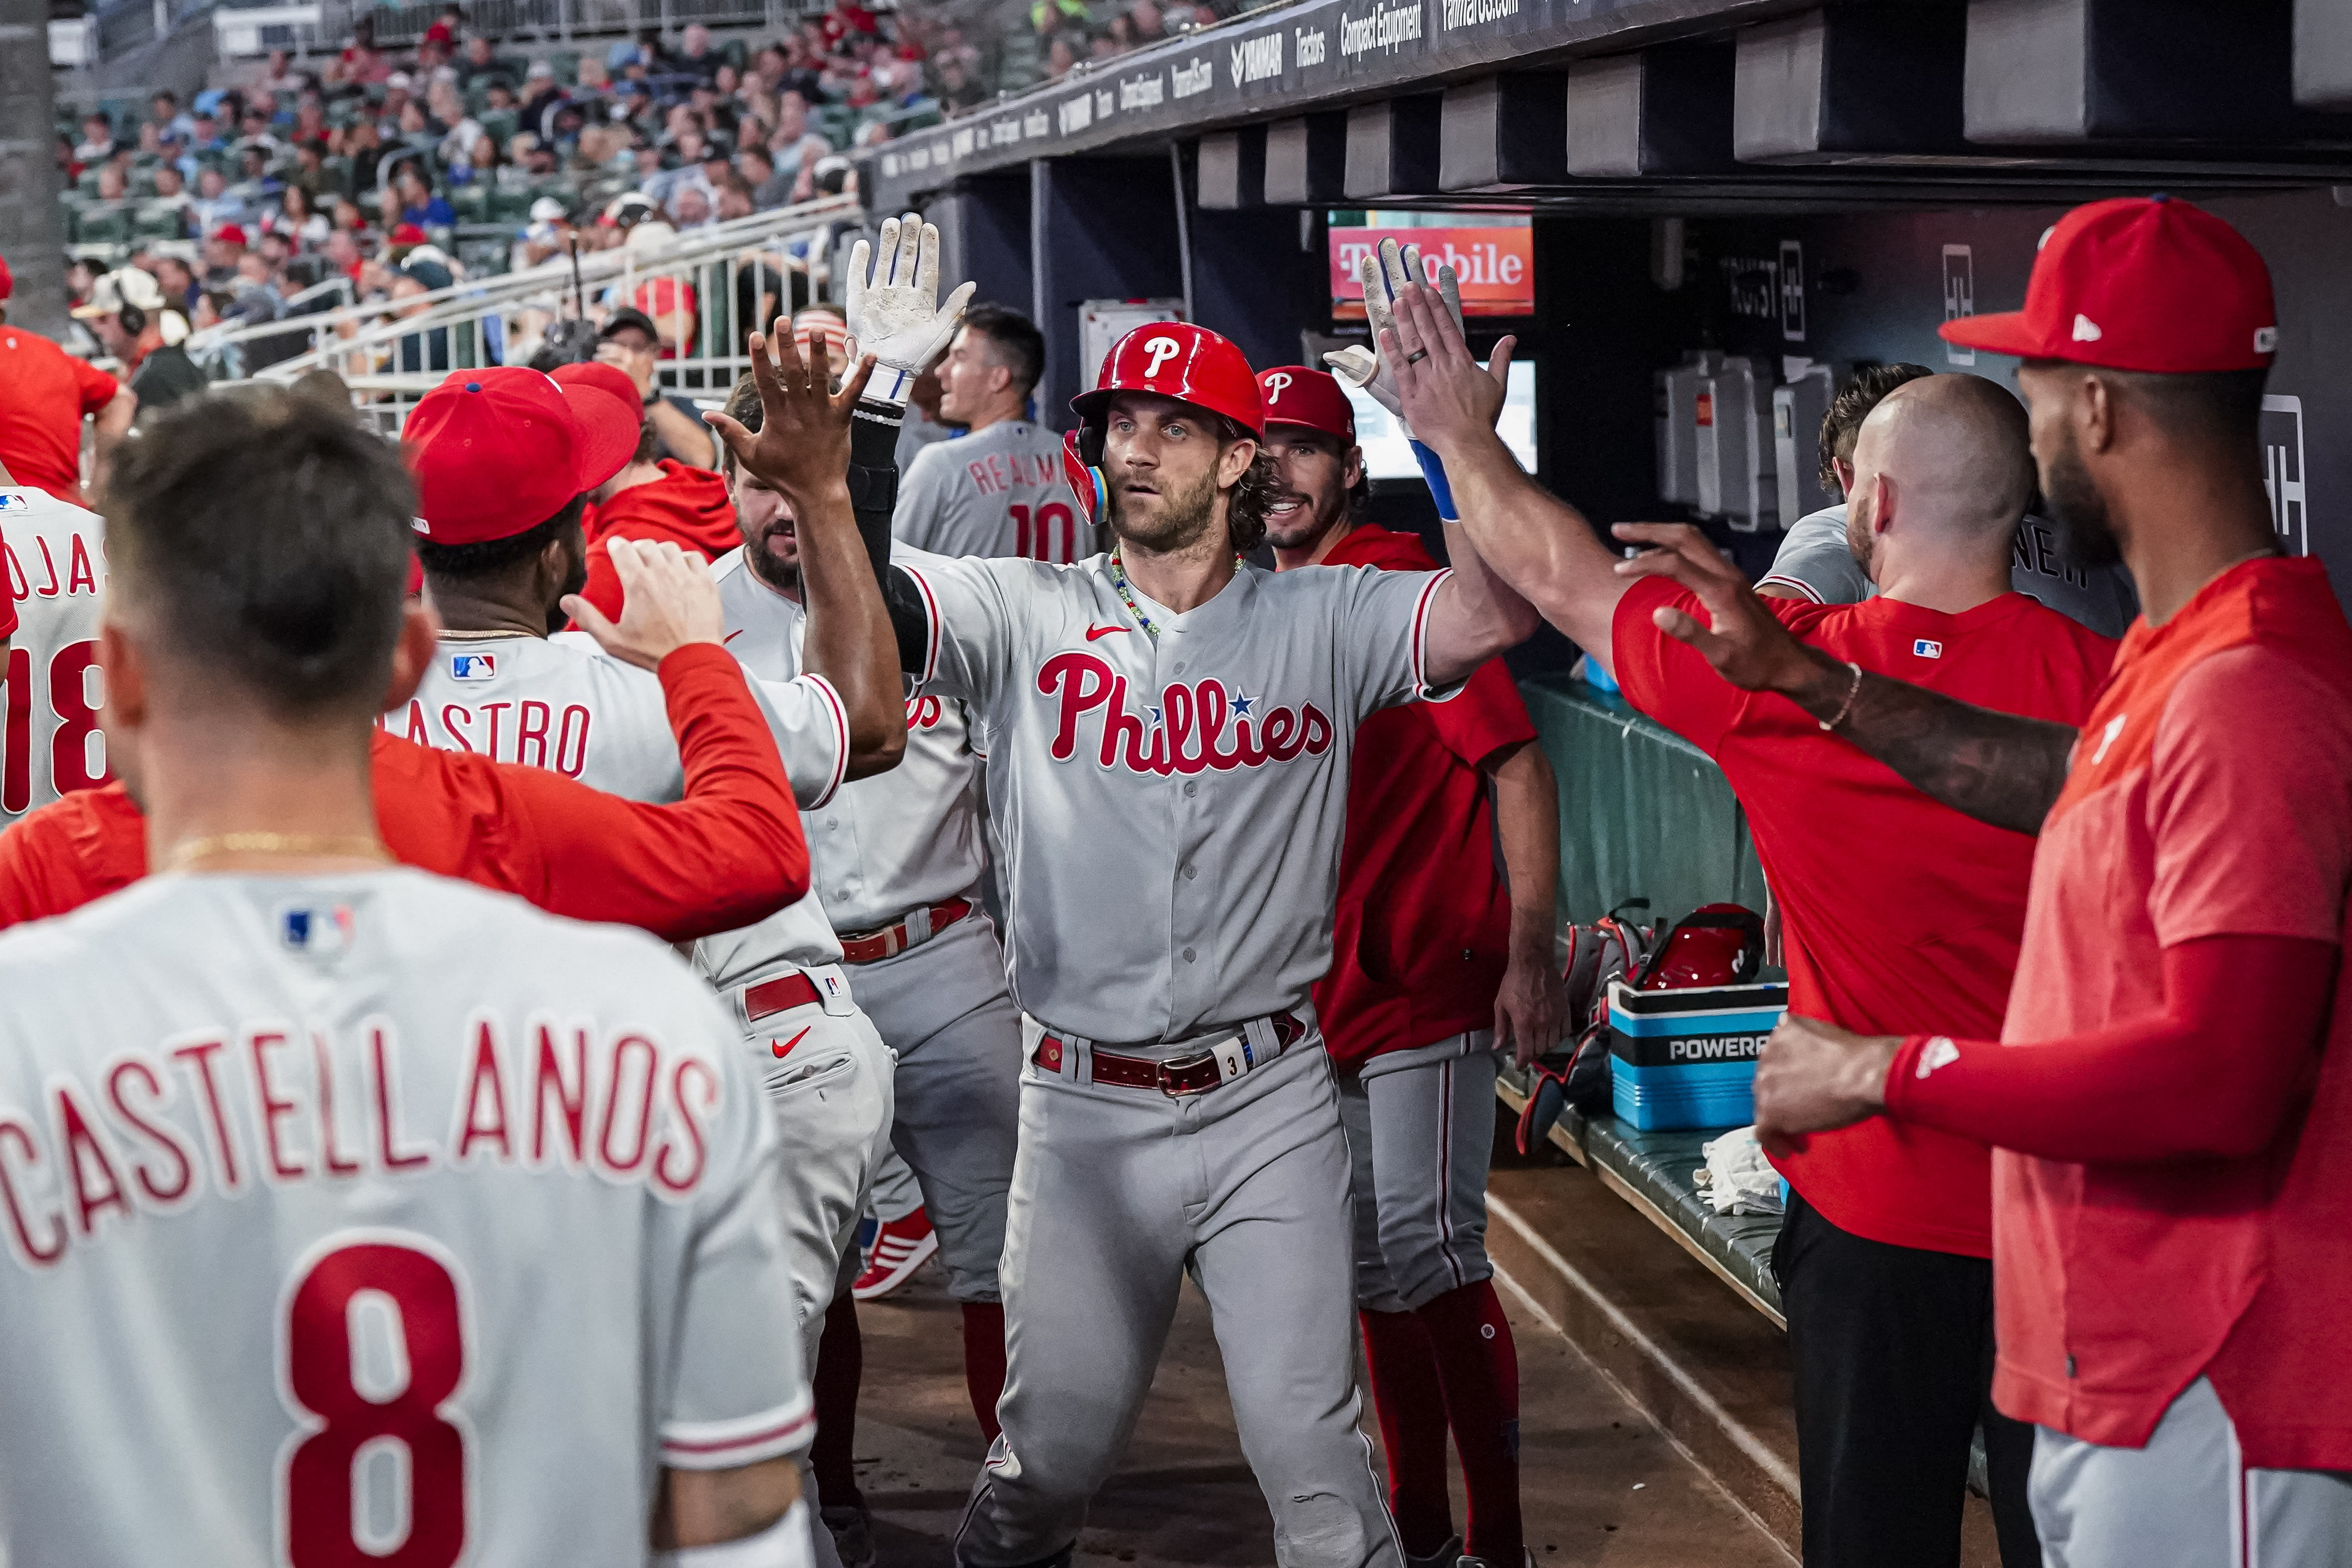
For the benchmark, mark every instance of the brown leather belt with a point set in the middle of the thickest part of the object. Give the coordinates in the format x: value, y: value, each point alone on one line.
x: 1185, y: 1075
x: 780, y: 995
x: 869, y: 946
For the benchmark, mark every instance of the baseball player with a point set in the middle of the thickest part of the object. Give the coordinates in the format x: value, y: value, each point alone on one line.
x: 285, y: 1132
x: 903, y: 1237
x: 1898, y: 911
x: 1168, y: 732
x: 827, y: 1077
x: 2168, y: 1099
x: 901, y: 859
x: 996, y: 490
x: 730, y: 852
x: 51, y: 743
x: 1439, y: 956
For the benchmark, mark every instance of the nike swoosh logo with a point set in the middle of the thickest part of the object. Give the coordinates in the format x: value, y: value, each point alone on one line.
x: 731, y: 636
x: 786, y: 1048
x: 1093, y: 633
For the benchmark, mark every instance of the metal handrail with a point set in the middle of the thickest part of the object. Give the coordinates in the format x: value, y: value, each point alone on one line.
x: 392, y: 352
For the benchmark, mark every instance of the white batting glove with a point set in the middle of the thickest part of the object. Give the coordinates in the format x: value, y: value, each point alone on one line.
x: 894, y: 310
x: 1382, y: 276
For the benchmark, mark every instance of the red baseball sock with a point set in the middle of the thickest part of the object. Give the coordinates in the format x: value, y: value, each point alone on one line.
x: 1410, y: 1405
x: 1479, y: 1366
x: 983, y: 1361
x: 840, y: 1367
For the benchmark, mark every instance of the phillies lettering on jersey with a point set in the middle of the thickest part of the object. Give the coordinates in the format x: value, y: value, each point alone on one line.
x: 50, y: 740
x: 1187, y: 726
x: 280, y: 1159
x: 1171, y: 806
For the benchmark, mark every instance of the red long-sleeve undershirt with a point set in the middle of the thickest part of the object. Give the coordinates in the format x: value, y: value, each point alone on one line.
x: 2212, y: 1076
x: 730, y: 854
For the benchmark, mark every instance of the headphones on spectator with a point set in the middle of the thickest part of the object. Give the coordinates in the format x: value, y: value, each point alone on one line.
x: 133, y: 319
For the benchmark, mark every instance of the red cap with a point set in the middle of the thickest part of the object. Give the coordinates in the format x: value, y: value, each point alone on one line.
x: 600, y: 379
x: 2138, y: 284
x: 498, y: 452
x: 1308, y: 398
x: 7, y: 279
x: 406, y: 233
x: 1178, y: 359
x: 230, y: 234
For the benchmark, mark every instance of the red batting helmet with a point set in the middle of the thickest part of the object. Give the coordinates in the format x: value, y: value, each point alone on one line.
x: 1173, y: 359
x: 1714, y: 944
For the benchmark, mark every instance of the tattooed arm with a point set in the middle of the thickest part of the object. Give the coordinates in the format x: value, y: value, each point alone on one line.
x: 1995, y: 767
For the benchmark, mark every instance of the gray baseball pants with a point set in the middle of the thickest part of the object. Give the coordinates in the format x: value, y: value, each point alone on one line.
x: 2185, y: 1498
x: 1421, y: 1131
x: 829, y: 1095
x: 1117, y: 1194
x: 943, y: 1008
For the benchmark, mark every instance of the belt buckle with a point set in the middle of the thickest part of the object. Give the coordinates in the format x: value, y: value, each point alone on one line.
x: 1178, y: 1092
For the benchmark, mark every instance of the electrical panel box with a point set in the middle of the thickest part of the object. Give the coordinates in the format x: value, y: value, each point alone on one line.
x: 1677, y: 392
x: 1734, y: 447
x: 1797, y: 411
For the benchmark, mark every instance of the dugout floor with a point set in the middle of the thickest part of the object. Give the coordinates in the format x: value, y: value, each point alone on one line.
x: 1602, y: 1485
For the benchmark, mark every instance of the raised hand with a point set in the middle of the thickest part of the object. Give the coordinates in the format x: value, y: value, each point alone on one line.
x: 667, y: 600
x: 894, y: 308
x: 1447, y: 395
x: 1384, y: 275
x: 803, y: 445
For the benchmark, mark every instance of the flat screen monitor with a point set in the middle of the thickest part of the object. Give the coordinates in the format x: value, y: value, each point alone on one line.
x: 1387, y: 456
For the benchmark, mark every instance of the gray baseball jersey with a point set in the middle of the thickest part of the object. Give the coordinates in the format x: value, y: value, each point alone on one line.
x: 335, y: 1206
x: 996, y: 492
x: 562, y: 703
x: 1171, y: 806
x: 1814, y: 560
x: 50, y: 742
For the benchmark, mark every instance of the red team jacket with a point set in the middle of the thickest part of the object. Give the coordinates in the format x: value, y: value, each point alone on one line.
x: 1896, y: 912
x: 730, y: 854
x: 688, y: 505
x: 1419, y: 938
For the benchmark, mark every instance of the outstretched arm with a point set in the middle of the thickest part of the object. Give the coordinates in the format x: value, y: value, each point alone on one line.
x: 1538, y: 545
x: 803, y: 450
x: 1995, y: 767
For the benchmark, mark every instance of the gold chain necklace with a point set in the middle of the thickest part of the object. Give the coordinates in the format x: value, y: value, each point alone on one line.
x: 353, y: 846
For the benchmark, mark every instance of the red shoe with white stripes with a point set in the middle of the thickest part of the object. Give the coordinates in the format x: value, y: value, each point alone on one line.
x: 900, y: 1247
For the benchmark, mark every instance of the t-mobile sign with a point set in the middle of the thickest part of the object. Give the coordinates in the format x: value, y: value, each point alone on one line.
x: 1496, y: 265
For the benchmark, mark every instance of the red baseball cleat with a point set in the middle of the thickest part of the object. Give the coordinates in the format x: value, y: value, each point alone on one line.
x: 900, y: 1248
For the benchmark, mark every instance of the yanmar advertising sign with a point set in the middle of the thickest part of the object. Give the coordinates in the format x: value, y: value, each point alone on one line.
x: 1496, y: 266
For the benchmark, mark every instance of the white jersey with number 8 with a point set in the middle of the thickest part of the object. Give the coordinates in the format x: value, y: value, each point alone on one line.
x: 50, y: 743
x: 371, y: 1219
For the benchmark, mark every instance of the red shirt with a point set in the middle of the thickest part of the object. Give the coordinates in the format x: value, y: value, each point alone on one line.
x: 1896, y: 912
x: 44, y: 394
x: 2212, y: 795
x: 1421, y: 934
x: 688, y: 507
x: 727, y: 855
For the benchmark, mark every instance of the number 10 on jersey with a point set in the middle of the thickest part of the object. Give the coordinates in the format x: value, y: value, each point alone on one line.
x: 1035, y: 535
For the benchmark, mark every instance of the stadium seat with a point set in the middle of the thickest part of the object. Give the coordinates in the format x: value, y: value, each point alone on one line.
x: 107, y: 222
x: 471, y: 201
x: 157, y: 220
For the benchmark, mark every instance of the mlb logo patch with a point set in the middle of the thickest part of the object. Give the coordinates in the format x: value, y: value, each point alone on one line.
x: 321, y: 930
x: 1927, y: 649
x: 14, y: 501
x: 473, y: 666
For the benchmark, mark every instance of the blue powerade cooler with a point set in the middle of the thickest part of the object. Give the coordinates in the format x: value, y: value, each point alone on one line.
x: 1688, y: 1058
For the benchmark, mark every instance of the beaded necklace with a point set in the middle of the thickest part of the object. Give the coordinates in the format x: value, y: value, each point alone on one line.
x: 1127, y: 595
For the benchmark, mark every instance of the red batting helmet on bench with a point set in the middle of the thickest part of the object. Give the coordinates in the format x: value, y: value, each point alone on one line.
x: 1174, y: 360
